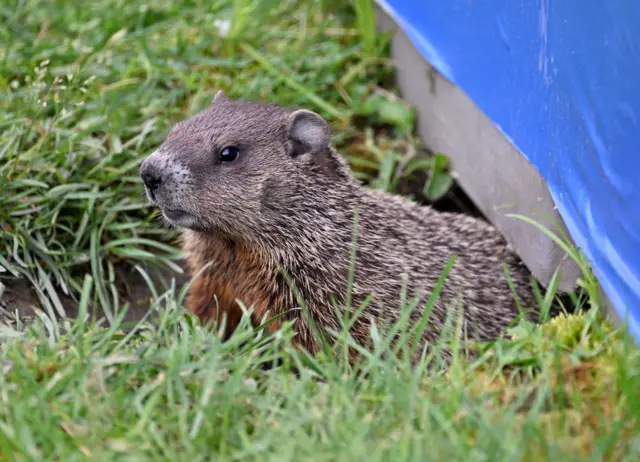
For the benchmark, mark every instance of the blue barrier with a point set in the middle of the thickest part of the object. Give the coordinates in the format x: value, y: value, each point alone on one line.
x: 561, y: 79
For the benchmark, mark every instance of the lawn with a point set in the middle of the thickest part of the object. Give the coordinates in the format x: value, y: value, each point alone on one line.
x: 87, y: 90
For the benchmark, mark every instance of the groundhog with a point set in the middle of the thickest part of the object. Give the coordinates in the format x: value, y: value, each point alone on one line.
x: 264, y: 198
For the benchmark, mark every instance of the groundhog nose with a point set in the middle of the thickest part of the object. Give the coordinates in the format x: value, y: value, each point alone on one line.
x: 151, y: 176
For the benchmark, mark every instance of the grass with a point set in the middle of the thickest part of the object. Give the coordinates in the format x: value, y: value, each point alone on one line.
x: 74, y: 390
x: 86, y: 91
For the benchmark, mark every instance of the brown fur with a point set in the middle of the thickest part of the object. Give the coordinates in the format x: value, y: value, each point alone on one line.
x: 237, y: 275
x: 287, y: 205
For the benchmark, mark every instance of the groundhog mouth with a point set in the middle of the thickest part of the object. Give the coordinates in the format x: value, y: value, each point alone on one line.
x: 178, y: 217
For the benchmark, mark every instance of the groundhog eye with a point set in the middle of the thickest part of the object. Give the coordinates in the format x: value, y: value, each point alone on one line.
x: 229, y: 154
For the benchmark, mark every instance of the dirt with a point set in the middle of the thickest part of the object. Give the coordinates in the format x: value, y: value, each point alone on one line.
x: 20, y: 301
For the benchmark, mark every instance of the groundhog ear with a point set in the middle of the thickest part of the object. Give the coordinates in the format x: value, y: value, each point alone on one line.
x: 220, y: 96
x: 308, y: 133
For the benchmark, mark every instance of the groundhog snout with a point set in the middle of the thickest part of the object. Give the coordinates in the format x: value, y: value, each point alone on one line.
x: 152, y: 176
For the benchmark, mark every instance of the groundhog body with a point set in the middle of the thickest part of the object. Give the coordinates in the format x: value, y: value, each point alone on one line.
x: 268, y: 204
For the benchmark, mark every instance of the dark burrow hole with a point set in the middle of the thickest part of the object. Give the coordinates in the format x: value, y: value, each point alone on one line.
x: 455, y: 200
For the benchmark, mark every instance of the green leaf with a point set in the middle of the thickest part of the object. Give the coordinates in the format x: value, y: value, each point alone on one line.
x: 440, y: 181
x: 397, y: 113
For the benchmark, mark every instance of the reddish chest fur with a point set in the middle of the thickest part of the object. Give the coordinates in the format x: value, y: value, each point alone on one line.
x: 235, y: 273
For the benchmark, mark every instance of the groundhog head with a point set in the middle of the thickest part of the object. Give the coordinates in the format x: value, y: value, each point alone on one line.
x: 240, y: 166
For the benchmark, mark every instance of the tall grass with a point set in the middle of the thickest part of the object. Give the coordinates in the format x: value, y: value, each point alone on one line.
x: 76, y: 390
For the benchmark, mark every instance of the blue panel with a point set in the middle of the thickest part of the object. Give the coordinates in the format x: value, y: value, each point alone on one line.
x: 561, y: 79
